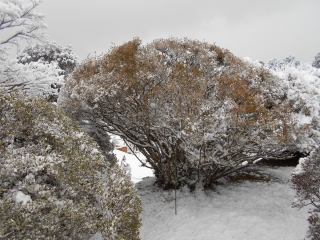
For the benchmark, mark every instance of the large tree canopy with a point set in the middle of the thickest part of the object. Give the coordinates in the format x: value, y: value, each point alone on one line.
x: 194, y: 110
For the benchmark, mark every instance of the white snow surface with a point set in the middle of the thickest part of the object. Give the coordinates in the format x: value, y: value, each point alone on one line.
x: 137, y: 172
x: 21, y: 197
x: 245, y: 210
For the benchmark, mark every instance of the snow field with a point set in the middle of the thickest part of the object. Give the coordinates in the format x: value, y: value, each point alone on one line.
x: 245, y: 210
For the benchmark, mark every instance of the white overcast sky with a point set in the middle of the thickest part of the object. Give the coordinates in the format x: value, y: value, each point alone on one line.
x: 259, y: 29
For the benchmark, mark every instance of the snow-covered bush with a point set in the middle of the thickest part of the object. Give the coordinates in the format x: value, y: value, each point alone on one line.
x: 289, y: 61
x: 54, y: 181
x: 316, y: 62
x: 306, y: 180
x: 34, y: 78
x: 48, y: 53
x: 301, y: 83
x: 99, y: 135
x: 19, y: 22
x: 195, y: 111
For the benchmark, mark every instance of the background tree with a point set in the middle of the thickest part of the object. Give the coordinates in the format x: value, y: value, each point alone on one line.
x: 55, y: 183
x: 48, y: 53
x: 194, y: 110
x: 34, y: 78
x: 316, y: 62
x: 20, y: 16
x: 300, y: 82
x: 20, y: 23
x: 289, y: 61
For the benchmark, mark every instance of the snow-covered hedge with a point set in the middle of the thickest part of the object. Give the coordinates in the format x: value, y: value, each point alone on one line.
x: 54, y: 181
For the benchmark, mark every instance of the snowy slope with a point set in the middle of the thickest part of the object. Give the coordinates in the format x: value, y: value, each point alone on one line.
x: 245, y: 211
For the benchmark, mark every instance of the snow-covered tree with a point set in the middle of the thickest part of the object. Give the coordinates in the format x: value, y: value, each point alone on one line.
x: 51, y: 54
x: 48, y: 53
x: 195, y: 111
x: 306, y: 180
x: 316, y: 62
x: 34, y: 78
x: 18, y: 23
x: 301, y: 84
x: 54, y: 181
x: 289, y: 61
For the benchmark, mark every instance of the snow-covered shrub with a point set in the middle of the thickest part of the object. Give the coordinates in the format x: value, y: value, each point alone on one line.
x: 99, y: 135
x: 195, y: 111
x: 34, y: 78
x: 50, y: 52
x: 289, y: 61
x: 19, y: 23
x: 301, y: 83
x: 316, y: 62
x: 306, y: 180
x: 54, y: 181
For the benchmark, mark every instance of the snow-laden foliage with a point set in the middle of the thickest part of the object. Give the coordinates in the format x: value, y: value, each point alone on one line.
x: 34, y: 78
x: 316, y: 62
x: 19, y: 22
x: 195, y: 111
x: 301, y: 83
x: 279, y: 65
x: 307, y: 185
x: 54, y: 181
x: 48, y: 53
x: 99, y: 135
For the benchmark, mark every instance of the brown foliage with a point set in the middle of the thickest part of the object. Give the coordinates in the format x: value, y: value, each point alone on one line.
x: 184, y: 104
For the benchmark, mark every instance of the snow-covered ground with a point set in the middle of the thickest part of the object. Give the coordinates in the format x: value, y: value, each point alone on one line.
x: 137, y: 172
x: 244, y: 210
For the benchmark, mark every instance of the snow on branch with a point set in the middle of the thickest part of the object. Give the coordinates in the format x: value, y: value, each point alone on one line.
x: 20, y: 16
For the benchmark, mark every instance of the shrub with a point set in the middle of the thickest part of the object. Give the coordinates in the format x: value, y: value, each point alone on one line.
x: 316, y: 62
x: 306, y: 180
x: 48, y: 53
x: 54, y: 181
x: 195, y: 111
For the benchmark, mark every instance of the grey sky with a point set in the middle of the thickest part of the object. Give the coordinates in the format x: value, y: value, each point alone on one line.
x: 259, y: 29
